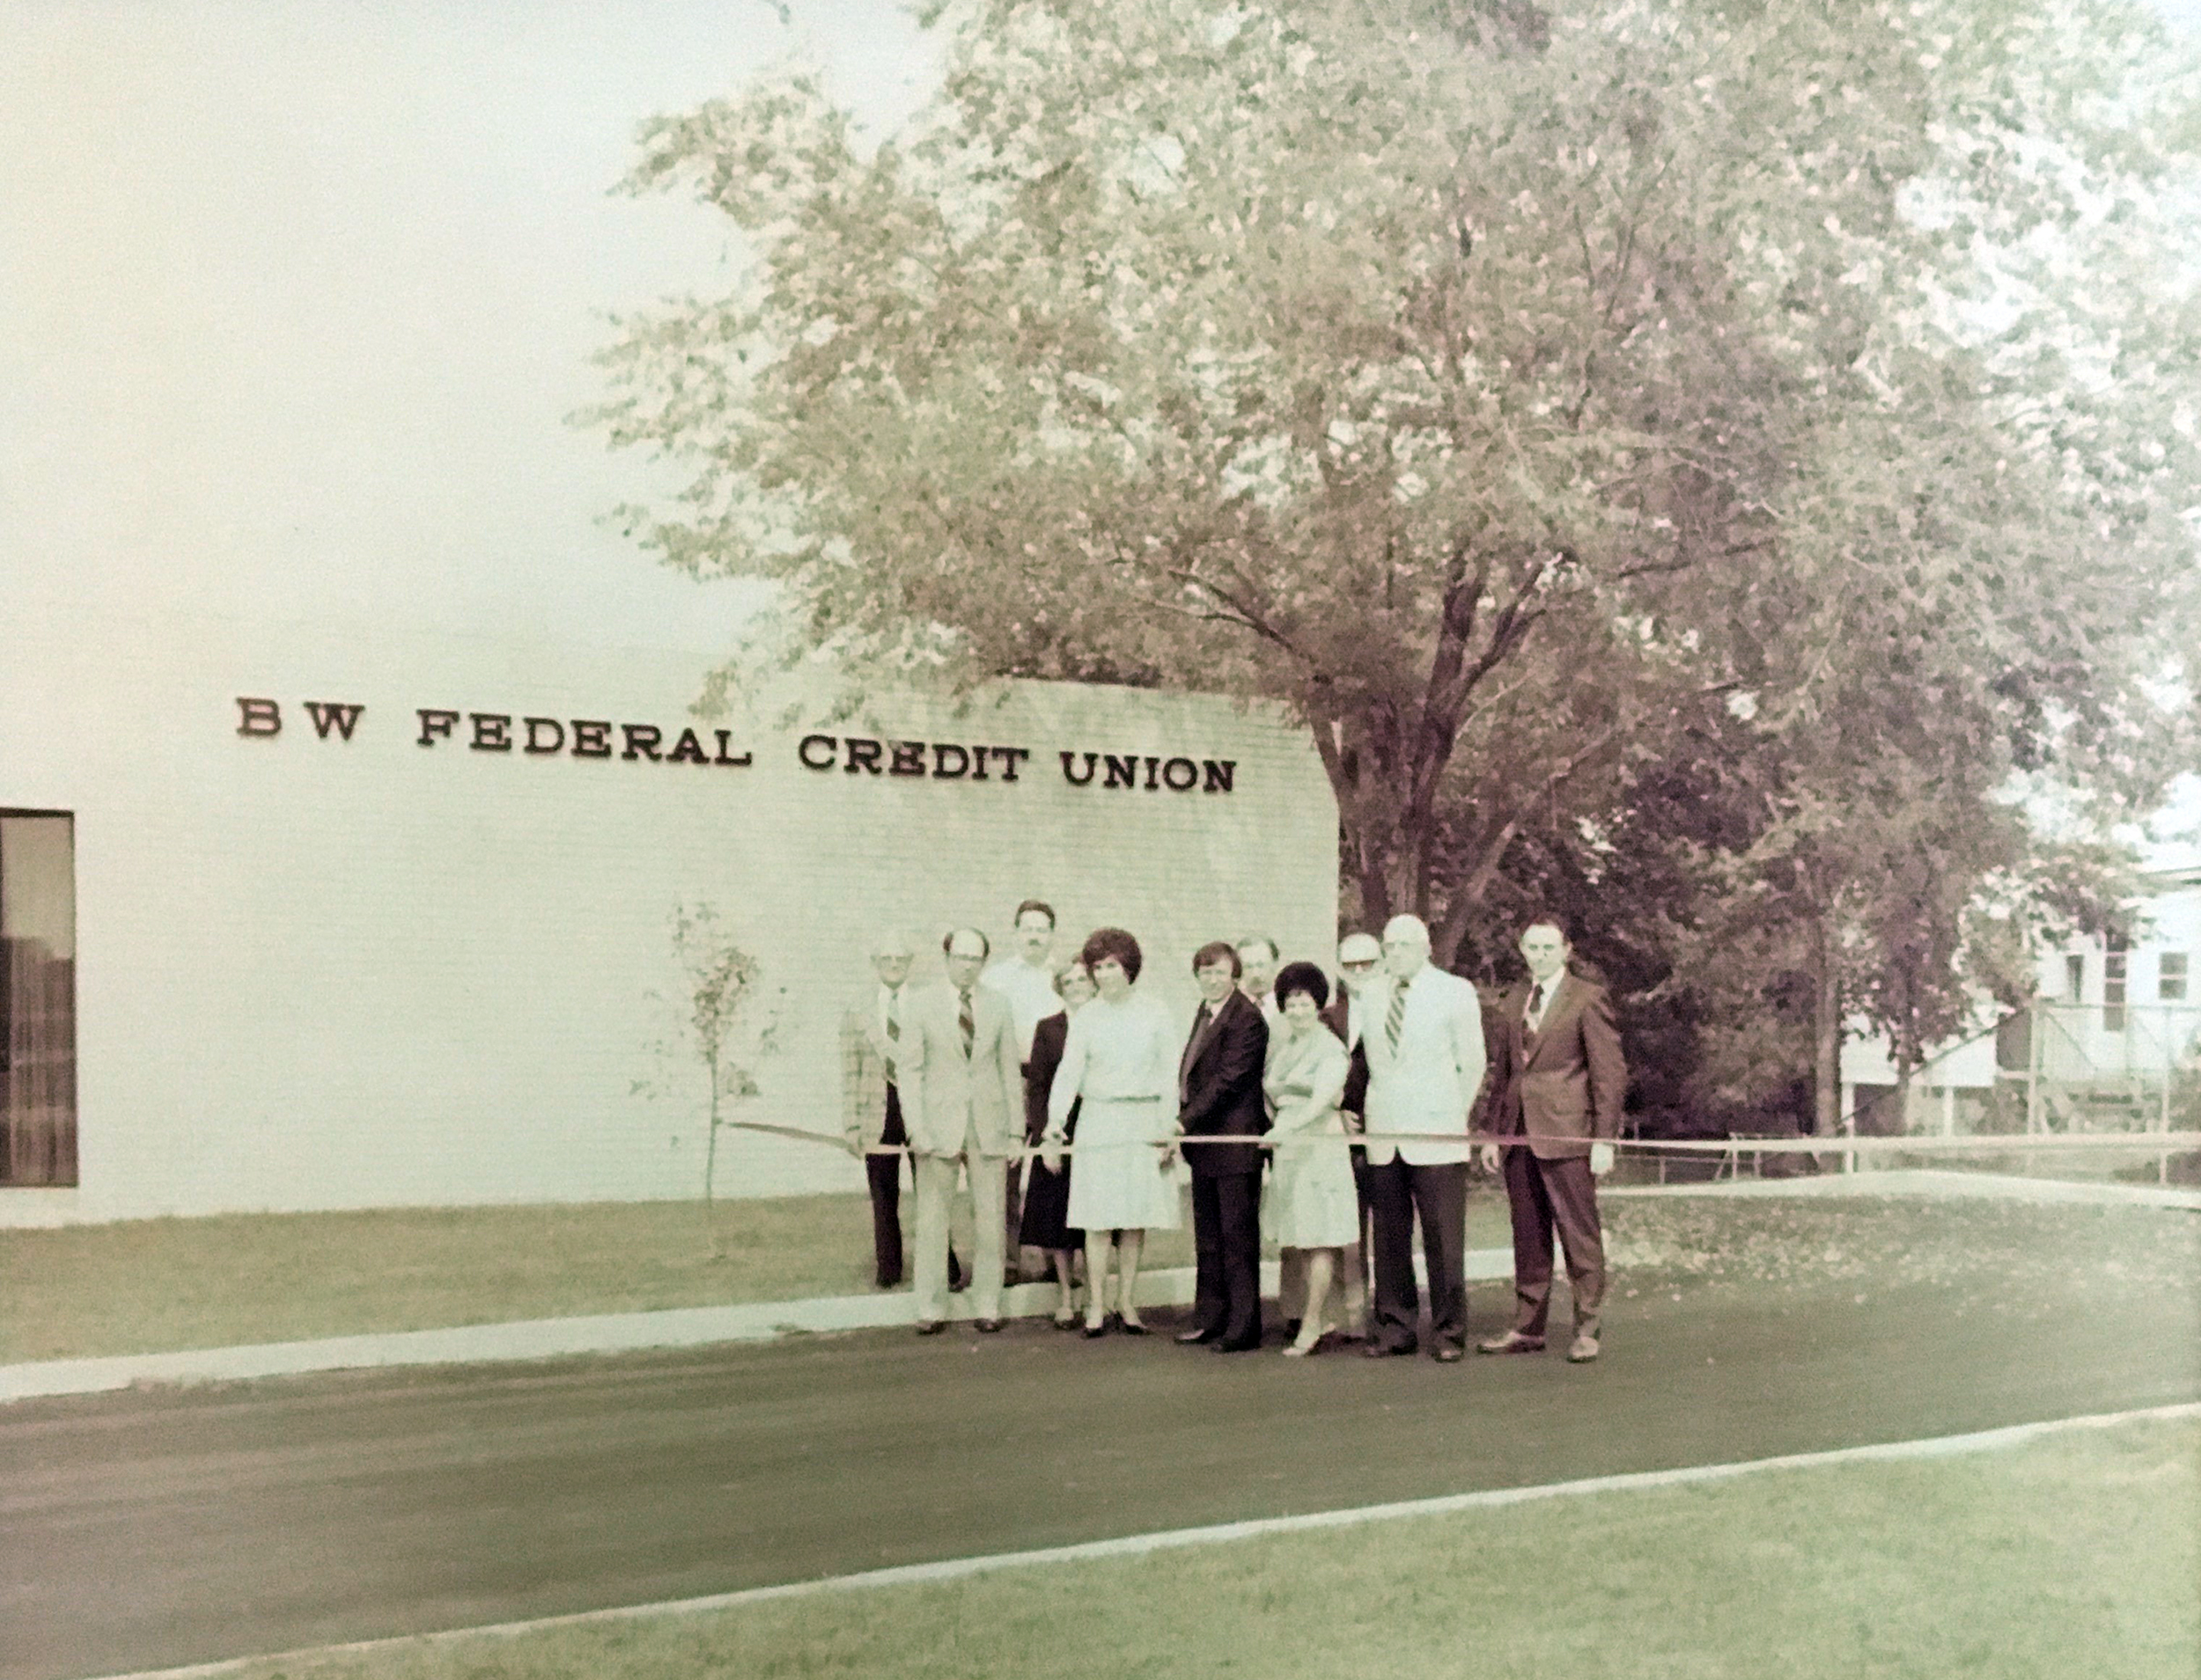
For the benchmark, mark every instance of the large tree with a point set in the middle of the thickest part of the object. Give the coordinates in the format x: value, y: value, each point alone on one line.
x: 1515, y: 392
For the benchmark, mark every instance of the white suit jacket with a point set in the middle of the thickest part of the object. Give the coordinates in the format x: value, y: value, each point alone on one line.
x: 944, y: 1095
x: 1430, y: 1082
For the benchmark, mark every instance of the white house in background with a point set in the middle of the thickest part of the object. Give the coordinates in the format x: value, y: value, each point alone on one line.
x: 296, y: 917
x: 2115, y: 1023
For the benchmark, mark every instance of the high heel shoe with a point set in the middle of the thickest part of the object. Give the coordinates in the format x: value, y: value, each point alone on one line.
x: 1304, y: 1350
x: 1066, y: 1319
x: 1130, y: 1326
x: 1102, y: 1329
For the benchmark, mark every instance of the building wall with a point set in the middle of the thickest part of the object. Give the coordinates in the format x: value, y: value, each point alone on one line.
x: 321, y: 973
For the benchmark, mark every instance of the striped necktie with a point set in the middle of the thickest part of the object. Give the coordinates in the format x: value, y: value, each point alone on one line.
x: 1395, y: 1021
x: 964, y: 1021
x: 894, y: 1013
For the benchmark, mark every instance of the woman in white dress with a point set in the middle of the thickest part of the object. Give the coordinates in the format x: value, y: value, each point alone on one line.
x: 1121, y: 1058
x: 1311, y: 1205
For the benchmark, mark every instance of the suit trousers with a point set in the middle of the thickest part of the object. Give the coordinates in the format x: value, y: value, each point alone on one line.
x: 882, y: 1173
x: 1227, y: 1247
x: 1398, y: 1190
x: 936, y: 1195
x: 1543, y: 1194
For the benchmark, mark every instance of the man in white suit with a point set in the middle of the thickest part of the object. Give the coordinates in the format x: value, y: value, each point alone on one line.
x: 961, y: 1100
x: 1424, y: 1037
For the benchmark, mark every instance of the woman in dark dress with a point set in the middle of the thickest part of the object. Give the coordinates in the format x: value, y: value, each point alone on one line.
x: 1047, y: 1194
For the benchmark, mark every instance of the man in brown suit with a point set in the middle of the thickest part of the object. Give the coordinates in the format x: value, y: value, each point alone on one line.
x: 1562, y: 1083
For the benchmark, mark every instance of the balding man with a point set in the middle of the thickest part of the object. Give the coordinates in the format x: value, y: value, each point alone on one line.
x: 871, y: 1101
x: 1424, y: 1035
x: 962, y: 1101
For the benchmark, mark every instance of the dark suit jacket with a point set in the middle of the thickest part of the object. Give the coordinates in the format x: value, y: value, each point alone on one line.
x: 1567, y: 1079
x: 1223, y: 1087
x: 1337, y: 1018
x: 1048, y: 1039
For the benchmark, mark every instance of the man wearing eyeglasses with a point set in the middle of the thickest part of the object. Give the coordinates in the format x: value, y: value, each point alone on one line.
x: 1425, y: 1060
x: 1358, y: 957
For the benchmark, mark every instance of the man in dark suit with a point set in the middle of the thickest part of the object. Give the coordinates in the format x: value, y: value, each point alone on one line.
x: 1219, y: 1090
x: 1358, y: 955
x: 1563, y: 1081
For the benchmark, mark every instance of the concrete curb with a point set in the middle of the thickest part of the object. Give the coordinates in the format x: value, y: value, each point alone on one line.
x: 550, y: 1339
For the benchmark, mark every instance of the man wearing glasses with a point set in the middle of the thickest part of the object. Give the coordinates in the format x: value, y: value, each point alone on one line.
x: 1424, y: 1034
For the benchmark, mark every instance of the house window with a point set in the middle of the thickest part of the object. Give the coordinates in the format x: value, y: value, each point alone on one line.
x: 2170, y: 976
x: 2113, y: 988
x: 38, y: 998
x: 2075, y: 978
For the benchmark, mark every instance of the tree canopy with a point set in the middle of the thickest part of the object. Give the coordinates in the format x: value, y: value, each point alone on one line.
x: 1536, y: 399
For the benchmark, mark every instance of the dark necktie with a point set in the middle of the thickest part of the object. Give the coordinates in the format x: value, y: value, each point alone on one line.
x: 1534, y: 1017
x: 964, y: 1021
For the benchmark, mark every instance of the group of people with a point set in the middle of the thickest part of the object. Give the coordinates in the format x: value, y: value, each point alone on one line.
x: 1075, y: 1106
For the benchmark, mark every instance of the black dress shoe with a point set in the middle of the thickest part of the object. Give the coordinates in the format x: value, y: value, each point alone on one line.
x: 988, y: 1326
x: 1240, y: 1346
x: 929, y: 1326
x: 1450, y: 1355
x: 1193, y: 1338
x: 1387, y: 1350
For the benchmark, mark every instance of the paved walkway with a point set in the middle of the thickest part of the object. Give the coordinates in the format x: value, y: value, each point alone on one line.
x: 543, y: 1338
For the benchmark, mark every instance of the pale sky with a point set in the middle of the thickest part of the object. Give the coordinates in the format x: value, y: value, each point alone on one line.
x: 295, y: 296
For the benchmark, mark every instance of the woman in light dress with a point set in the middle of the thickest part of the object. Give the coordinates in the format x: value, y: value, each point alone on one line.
x: 1310, y: 1203
x: 1119, y: 1064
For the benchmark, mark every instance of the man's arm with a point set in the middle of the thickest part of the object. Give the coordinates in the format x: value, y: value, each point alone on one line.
x: 1608, y: 1068
x: 1012, y: 1069
x: 853, y: 1044
x: 910, y: 1072
x: 1467, y: 1047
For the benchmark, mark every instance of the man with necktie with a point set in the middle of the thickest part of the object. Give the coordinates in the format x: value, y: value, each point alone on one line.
x: 962, y: 1100
x: 1425, y: 1062
x: 1358, y: 957
x: 1026, y: 981
x: 871, y: 1102
x: 1563, y: 1081
x: 1219, y: 1095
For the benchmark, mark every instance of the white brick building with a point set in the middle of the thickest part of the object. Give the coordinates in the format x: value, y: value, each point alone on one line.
x: 426, y: 961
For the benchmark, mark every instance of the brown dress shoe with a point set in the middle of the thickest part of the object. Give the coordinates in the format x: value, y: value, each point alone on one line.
x: 1583, y: 1350
x: 1512, y: 1342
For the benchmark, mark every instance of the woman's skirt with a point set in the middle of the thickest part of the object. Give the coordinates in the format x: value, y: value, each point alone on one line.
x: 1310, y: 1201
x: 1046, y: 1222
x: 1117, y: 1182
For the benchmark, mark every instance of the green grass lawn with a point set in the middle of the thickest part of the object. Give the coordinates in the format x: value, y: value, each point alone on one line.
x: 153, y: 1284
x: 2075, y: 1555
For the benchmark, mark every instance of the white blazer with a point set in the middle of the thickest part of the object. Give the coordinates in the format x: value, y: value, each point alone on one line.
x: 1430, y: 1082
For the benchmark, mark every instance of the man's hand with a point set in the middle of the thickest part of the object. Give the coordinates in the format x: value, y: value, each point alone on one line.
x: 1600, y: 1159
x: 1489, y: 1152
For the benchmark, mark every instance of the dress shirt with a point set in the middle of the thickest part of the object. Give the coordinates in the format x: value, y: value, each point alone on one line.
x: 1031, y: 995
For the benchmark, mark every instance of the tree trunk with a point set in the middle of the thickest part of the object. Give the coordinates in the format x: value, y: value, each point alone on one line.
x: 1826, y: 1106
